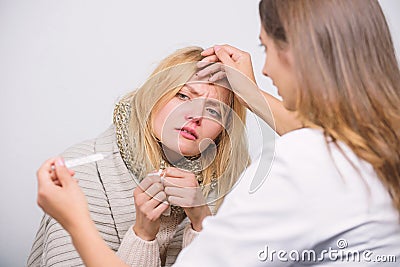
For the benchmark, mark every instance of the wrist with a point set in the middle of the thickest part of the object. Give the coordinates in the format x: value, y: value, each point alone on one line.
x: 197, y: 221
x: 142, y: 234
x: 198, y: 227
x: 82, y: 229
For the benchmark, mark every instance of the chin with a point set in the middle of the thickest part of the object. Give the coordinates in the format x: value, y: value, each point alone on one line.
x: 188, y: 152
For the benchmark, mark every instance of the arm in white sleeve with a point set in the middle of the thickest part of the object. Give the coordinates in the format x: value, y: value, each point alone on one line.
x: 248, y: 223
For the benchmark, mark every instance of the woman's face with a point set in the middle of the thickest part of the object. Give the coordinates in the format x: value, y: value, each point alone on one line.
x: 192, y: 118
x: 278, y: 67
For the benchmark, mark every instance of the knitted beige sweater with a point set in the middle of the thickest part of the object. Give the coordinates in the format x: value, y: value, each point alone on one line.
x: 109, y: 186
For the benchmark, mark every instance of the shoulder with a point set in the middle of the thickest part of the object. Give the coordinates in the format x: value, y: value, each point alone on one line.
x: 87, y: 147
x: 90, y: 172
x: 302, y: 147
x: 301, y: 139
x: 304, y: 159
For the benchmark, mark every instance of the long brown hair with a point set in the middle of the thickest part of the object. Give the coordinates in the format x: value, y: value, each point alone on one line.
x: 348, y: 75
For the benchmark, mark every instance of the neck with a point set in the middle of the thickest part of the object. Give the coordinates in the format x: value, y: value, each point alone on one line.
x: 172, y: 156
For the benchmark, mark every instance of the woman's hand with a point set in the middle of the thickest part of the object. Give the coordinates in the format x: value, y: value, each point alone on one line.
x: 149, y: 198
x: 236, y: 67
x: 60, y: 196
x: 183, y: 190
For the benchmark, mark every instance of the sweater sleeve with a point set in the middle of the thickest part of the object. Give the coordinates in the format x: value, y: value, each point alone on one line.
x: 188, y: 235
x: 135, y: 251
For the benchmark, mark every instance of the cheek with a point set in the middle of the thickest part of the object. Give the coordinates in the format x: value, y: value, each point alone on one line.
x: 211, y: 129
x: 159, y: 119
x: 157, y: 124
x: 290, y: 97
x: 168, y: 117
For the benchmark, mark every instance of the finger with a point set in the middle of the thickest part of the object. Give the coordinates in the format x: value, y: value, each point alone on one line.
x: 160, y: 197
x: 175, y: 191
x: 148, y: 181
x: 155, y: 201
x: 46, y: 166
x: 203, y: 63
x: 217, y: 76
x: 154, y: 189
x: 233, y: 52
x: 71, y: 172
x: 45, y: 184
x: 213, y: 68
x: 210, y: 59
x: 208, y: 52
x: 43, y: 173
x: 53, y: 175
x: 224, y: 57
x: 156, y: 213
x: 207, y: 60
x: 175, y: 172
x: 177, y: 201
x: 62, y: 172
x: 173, y: 182
x: 179, y: 182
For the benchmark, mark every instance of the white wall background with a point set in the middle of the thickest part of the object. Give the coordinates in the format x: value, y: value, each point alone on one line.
x: 63, y: 65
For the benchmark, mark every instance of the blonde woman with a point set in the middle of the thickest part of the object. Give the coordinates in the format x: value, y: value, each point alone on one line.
x: 165, y: 124
x: 332, y: 196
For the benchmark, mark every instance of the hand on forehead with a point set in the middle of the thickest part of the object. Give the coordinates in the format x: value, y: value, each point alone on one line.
x: 199, y: 88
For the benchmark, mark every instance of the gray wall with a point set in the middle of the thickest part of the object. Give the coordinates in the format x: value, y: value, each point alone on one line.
x: 63, y: 65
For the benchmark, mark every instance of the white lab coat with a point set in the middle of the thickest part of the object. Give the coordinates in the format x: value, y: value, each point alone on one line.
x: 311, y: 200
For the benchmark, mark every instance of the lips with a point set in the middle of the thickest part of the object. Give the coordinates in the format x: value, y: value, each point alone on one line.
x: 190, y: 131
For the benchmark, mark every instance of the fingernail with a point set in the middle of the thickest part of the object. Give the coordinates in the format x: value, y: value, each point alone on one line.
x: 216, y: 48
x: 60, y: 162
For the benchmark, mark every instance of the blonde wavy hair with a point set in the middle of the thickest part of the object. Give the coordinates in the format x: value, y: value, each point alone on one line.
x: 348, y: 75
x: 167, y: 79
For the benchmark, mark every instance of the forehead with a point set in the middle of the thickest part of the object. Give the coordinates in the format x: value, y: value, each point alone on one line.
x: 203, y: 89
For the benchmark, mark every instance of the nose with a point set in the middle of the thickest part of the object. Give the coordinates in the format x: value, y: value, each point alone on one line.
x: 264, y: 70
x: 195, y: 112
x: 195, y: 119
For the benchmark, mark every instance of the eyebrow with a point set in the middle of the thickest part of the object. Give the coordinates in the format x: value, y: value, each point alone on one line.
x: 212, y: 102
x: 192, y: 90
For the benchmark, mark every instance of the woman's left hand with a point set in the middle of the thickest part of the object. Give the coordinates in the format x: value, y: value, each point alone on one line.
x: 183, y: 190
